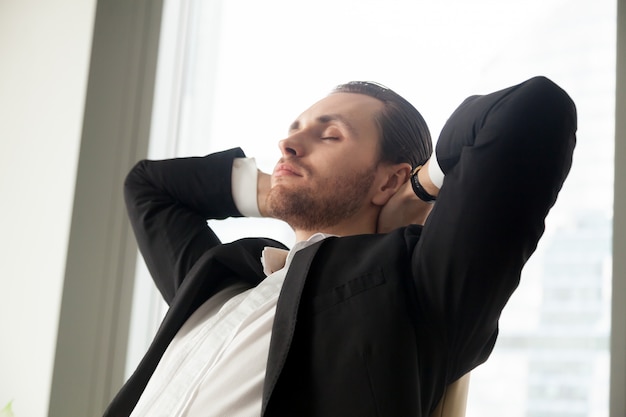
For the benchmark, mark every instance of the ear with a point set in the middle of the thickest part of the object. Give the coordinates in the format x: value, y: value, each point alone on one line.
x: 389, y: 180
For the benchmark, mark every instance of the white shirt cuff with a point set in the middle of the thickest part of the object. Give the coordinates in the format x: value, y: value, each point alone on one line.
x: 434, y: 171
x: 244, y: 186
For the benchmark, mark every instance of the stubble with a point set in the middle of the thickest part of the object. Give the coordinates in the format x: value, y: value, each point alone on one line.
x: 322, y: 204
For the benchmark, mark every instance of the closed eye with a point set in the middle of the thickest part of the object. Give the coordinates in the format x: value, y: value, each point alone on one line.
x: 330, y: 138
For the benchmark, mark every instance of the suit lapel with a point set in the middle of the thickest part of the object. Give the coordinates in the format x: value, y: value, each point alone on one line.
x: 285, y: 319
x: 215, y: 269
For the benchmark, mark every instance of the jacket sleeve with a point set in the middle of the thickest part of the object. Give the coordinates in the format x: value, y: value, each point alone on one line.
x: 168, y: 205
x: 505, y: 156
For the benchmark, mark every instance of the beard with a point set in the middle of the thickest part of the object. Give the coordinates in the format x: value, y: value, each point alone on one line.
x: 320, y: 204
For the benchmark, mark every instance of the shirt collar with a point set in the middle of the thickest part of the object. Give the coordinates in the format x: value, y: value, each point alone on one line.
x: 275, y: 259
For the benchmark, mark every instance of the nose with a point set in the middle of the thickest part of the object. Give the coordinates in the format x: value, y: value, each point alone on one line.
x: 290, y: 147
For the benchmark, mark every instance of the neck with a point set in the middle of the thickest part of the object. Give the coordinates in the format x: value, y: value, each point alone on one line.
x: 356, y: 226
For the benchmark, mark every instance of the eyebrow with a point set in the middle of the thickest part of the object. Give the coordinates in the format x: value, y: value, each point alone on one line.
x: 327, y: 118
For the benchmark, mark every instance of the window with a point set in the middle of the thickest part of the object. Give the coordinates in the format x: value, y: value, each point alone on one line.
x: 236, y: 73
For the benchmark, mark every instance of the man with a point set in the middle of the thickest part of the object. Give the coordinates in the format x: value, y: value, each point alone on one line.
x: 369, y: 313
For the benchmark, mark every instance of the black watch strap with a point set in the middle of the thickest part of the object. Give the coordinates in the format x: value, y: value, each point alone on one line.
x: 419, y: 191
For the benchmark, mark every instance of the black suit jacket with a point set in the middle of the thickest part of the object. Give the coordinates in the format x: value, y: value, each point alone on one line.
x: 370, y: 325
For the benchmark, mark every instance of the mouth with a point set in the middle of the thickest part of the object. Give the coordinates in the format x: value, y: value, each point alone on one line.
x: 283, y: 169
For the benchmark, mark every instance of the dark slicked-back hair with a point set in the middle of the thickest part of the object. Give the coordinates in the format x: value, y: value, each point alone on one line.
x: 405, y: 135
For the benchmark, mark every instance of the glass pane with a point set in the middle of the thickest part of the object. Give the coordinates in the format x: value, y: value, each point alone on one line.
x: 249, y: 68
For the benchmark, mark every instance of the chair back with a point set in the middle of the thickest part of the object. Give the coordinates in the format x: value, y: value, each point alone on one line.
x: 454, y: 400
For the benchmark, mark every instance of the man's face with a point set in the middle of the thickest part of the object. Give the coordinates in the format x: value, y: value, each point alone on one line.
x: 328, y: 163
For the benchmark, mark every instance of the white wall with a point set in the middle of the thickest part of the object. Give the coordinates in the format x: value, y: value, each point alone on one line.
x: 44, y: 58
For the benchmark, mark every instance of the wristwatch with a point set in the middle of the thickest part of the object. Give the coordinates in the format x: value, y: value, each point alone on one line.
x: 419, y: 191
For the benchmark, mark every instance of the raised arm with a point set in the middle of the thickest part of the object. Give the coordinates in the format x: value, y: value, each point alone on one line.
x: 505, y: 156
x: 168, y: 204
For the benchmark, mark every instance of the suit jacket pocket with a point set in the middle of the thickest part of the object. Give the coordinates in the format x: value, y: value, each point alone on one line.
x: 347, y: 290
